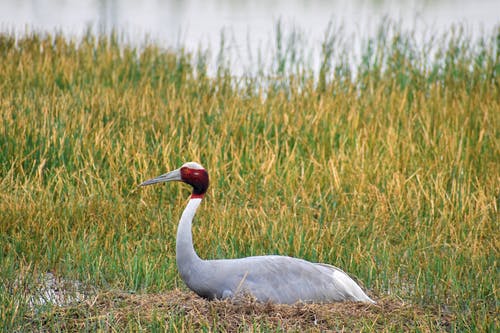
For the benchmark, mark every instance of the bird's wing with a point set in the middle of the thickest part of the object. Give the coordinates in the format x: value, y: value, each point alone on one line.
x: 280, y: 279
x: 350, y: 287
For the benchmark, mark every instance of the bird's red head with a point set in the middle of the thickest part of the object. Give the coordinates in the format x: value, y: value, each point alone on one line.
x: 196, y: 176
x: 190, y: 173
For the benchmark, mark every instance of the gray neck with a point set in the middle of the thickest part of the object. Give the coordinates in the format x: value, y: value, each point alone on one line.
x: 188, y: 261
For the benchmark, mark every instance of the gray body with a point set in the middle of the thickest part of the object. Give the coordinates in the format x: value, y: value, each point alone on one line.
x: 272, y: 278
x: 278, y: 279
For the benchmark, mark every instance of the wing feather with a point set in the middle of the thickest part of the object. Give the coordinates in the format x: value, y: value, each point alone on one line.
x: 279, y: 279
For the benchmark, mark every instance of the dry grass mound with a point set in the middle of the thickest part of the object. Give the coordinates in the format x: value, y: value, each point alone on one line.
x: 119, y: 310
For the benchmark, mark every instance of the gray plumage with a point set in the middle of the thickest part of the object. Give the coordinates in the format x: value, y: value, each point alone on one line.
x: 273, y: 278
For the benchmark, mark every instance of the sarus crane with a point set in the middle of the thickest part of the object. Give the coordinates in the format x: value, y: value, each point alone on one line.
x: 271, y: 278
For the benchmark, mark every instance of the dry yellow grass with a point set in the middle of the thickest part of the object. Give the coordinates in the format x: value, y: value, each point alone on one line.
x: 114, y: 310
x: 393, y: 175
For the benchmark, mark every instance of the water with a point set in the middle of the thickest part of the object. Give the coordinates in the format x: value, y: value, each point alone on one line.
x: 249, y: 27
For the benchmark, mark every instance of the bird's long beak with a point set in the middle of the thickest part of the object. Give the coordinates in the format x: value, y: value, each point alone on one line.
x: 167, y: 177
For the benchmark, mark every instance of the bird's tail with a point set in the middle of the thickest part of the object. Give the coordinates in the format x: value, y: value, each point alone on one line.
x: 351, y: 289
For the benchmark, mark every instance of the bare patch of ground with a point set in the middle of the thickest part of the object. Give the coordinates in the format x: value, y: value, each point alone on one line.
x: 187, y: 311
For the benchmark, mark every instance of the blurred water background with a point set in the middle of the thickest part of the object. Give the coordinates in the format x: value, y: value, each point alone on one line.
x: 249, y: 32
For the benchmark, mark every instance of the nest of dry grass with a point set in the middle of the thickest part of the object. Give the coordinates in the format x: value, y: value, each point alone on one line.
x: 115, y: 310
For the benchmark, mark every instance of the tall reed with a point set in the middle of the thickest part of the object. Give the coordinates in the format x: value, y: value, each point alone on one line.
x: 388, y: 168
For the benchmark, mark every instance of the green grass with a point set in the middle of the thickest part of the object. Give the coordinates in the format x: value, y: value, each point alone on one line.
x: 388, y: 168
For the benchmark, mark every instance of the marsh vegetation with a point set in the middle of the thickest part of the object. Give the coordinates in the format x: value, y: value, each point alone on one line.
x: 388, y: 168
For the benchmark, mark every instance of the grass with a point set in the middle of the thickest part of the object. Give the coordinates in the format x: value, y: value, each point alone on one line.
x: 388, y: 168
x: 186, y: 311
